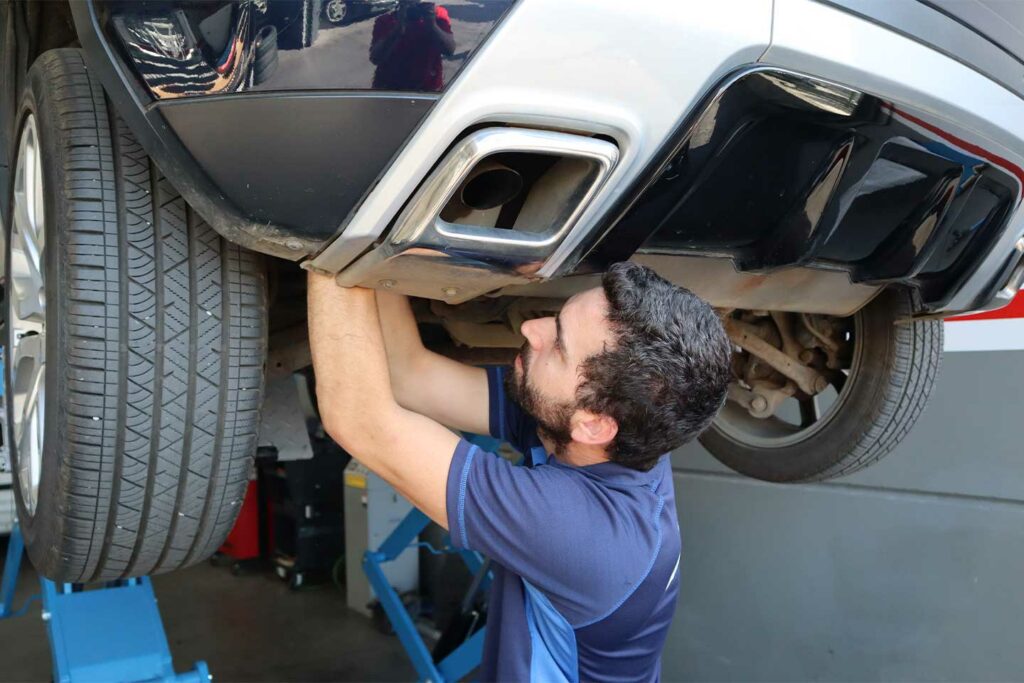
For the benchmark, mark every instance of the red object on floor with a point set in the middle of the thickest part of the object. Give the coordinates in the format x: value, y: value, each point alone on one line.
x: 243, y: 543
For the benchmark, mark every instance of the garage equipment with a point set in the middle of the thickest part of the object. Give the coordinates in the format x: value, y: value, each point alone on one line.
x: 248, y: 542
x: 461, y: 660
x: 111, y: 632
x: 307, y: 525
x: 373, y: 510
x: 107, y: 633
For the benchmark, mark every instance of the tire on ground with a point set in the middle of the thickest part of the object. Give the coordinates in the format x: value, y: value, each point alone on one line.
x: 155, y: 344
x: 896, y: 367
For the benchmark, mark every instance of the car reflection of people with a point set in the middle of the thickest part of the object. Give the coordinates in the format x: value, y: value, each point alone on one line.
x: 408, y: 44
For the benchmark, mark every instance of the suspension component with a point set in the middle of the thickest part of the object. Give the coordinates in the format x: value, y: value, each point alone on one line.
x: 745, y: 336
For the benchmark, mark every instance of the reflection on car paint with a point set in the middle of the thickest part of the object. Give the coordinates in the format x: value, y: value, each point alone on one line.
x: 167, y: 54
x: 184, y: 49
x: 780, y: 170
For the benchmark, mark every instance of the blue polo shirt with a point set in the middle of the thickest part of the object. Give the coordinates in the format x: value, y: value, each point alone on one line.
x: 585, y: 559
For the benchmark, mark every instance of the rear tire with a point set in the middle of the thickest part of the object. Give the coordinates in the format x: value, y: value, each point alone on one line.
x: 895, y: 366
x: 155, y: 343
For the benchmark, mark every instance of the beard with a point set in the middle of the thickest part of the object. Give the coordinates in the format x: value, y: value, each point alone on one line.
x: 553, y: 418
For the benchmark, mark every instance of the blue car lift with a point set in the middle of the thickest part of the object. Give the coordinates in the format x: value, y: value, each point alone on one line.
x: 104, y: 634
x: 466, y: 656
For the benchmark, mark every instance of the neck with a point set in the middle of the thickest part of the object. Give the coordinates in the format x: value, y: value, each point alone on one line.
x: 578, y: 454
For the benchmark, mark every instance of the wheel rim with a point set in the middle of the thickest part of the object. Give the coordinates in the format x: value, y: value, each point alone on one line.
x: 738, y: 425
x: 336, y: 11
x: 26, y: 315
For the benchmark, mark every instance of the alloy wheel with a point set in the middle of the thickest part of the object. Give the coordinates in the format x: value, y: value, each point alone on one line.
x: 336, y: 11
x: 26, y: 314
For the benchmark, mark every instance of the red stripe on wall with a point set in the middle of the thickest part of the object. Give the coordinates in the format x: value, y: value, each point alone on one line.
x: 1014, y: 310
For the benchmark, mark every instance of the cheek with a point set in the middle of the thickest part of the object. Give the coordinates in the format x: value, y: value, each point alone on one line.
x: 538, y: 370
x: 554, y: 378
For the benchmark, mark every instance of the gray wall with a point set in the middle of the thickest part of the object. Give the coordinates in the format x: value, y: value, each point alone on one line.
x: 910, y: 570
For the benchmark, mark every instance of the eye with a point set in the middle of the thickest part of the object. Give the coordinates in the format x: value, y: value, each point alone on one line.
x: 558, y: 335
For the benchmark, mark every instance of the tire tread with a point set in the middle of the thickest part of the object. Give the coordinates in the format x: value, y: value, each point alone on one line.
x: 163, y: 344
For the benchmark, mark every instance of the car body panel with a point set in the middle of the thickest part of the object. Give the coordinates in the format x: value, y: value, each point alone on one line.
x: 630, y: 73
x: 274, y: 216
x: 963, y: 30
x: 188, y: 49
x: 997, y: 20
x: 784, y: 171
x: 243, y: 144
x: 954, y: 98
x: 639, y: 77
x: 914, y: 94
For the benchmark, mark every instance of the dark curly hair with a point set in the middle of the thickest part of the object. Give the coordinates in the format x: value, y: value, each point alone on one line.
x: 665, y: 377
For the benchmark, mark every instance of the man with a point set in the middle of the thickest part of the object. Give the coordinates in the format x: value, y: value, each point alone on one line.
x: 407, y: 46
x: 584, y: 538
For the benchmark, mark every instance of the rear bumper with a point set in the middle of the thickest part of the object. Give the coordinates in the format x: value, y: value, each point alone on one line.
x: 955, y: 116
x: 324, y: 174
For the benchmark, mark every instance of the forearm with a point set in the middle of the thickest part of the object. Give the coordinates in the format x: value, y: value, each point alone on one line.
x: 352, y: 379
x: 410, y: 364
x: 445, y: 39
x: 426, y: 382
x: 401, y: 336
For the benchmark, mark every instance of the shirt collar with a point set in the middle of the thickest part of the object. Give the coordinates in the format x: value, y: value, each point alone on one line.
x: 614, y: 473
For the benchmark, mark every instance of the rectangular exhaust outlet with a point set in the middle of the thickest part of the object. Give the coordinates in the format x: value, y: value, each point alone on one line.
x: 490, y: 214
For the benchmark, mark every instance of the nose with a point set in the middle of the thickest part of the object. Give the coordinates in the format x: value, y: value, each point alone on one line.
x: 535, y: 332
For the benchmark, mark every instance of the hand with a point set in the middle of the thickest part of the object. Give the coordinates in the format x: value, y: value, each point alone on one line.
x: 426, y: 10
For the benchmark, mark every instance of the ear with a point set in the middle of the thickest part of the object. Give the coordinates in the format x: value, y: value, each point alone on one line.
x: 593, y: 429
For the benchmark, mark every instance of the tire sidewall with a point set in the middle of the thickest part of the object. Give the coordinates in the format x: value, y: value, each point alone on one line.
x: 44, y: 523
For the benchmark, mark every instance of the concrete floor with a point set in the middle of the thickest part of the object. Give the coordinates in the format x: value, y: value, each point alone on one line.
x: 246, y: 628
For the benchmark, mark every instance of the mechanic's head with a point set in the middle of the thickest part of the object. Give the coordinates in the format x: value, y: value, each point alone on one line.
x: 637, y: 366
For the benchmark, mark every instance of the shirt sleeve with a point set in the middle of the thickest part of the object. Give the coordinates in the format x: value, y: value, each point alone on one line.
x: 508, y: 422
x: 443, y: 20
x: 552, y: 529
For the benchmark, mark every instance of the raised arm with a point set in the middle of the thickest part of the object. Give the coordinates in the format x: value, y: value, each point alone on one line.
x: 357, y: 407
x: 425, y: 382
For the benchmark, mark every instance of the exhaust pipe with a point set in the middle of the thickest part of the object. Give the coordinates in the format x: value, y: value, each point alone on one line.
x: 490, y: 185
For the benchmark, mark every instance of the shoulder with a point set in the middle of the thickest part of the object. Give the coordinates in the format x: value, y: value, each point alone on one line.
x: 615, y: 536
